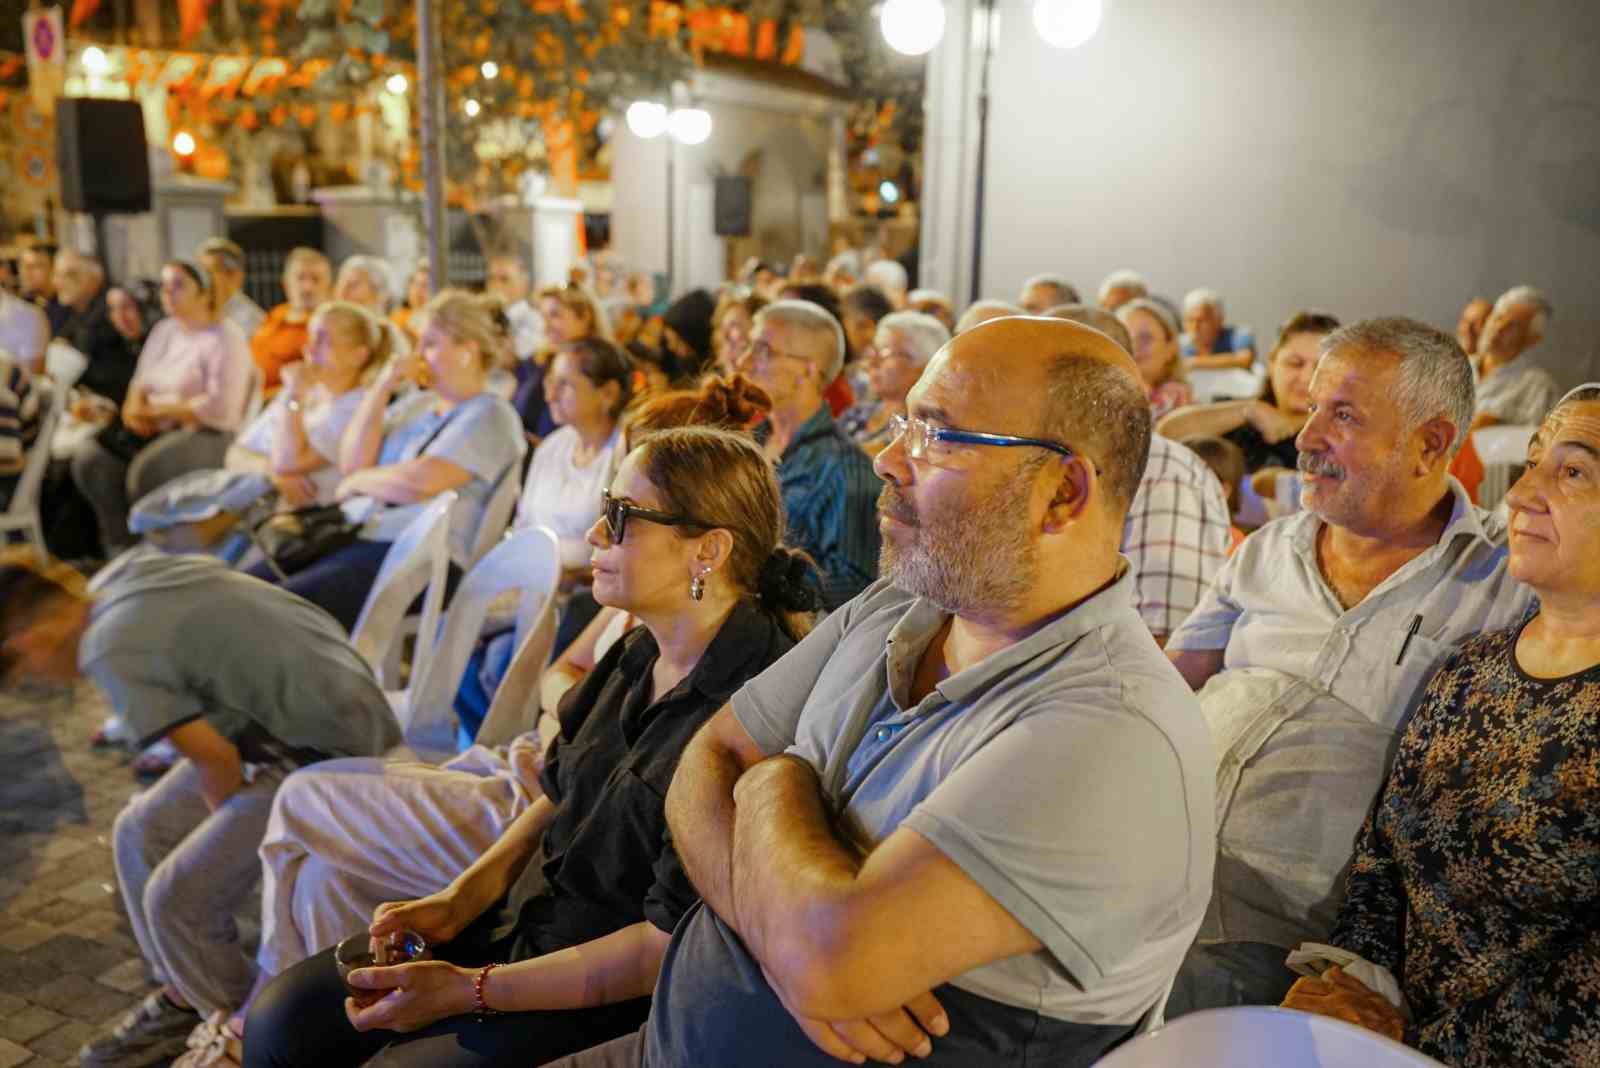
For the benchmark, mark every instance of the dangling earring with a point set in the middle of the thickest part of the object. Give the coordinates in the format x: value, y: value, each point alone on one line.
x: 697, y: 585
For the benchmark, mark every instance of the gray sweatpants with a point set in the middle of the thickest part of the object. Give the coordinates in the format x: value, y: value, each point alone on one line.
x: 185, y: 871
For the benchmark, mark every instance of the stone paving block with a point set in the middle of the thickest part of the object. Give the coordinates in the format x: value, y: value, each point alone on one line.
x: 29, y: 1024
x: 62, y: 1044
x: 20, y: 976
x: 89, y: 892
x: 75, y: 955
x: 81, y: 998
x: 130, y: 977
x: 12, y: 1054
x: 57, y: 913
x: 10, y: 1003
x: 21, y: 937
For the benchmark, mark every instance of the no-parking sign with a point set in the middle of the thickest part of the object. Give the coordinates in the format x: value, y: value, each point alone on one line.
x: 47, y: 55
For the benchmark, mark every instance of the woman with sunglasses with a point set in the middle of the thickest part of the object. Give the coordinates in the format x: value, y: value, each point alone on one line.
x: 550, y: 942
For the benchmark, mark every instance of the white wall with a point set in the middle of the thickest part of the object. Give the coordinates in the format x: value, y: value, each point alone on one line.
x: 1364, y: 157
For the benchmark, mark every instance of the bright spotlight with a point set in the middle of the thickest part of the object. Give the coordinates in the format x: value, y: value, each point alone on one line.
x: 472, y: 107
x: 912, y: 27
x: 1066, y: 23
x: 888, y: 192
x: 94, y: 60
x: 397, y: 84
x: 183, y: 144
x: 647, y: 119
x: 689, y: 126
x: 490, y: 69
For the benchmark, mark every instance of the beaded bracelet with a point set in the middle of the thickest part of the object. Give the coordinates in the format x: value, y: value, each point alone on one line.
x: 478, y: 1005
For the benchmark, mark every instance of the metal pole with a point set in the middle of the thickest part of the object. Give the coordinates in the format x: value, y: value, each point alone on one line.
x: 983, y: 151
x: 430, y: 98
x: 672, y: 193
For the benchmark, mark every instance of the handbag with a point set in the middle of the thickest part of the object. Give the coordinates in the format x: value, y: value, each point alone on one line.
x: 293, y: 541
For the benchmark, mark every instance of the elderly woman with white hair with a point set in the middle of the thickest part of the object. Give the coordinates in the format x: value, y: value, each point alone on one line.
x: 1210, y: 342
x: 369, y: 282
x: 902, y: 347
x: 1511, y: 390
x: 1153, y: 337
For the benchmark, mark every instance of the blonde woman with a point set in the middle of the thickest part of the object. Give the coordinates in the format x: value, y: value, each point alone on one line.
x: 571, y: 313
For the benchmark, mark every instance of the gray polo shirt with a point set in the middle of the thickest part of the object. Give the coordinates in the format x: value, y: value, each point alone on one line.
x: 1069, y: 775
x: 1308, y: 707
x: 177, y: 638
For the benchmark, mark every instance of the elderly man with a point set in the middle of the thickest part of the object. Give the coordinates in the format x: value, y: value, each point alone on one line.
x: 1317, y: 637
x: 1177, y: 532
x: 934, y: 303
x: 1511, y: 390
x: 508, y: 282
x: 1469, y: 325
x: 890, y: 276
x: 80, y: 285
x: 969, y: 818
x: 842, y: 272
x: 981, y: 311
x: 1045, y: 291
x: 224, y: 261
x: 1120, y: 287
x: 35, y: 275
x: 1209, y: 342
x: 902, y: 347
x: 796, y: 348
x: 307, y: 281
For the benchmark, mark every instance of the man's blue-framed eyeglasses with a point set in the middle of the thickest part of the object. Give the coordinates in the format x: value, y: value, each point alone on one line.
x: 919, y: 434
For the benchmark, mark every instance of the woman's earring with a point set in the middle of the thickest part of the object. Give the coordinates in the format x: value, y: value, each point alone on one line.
x: 697, y: 585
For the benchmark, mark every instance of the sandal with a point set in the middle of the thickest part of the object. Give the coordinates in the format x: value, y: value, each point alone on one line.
x: 213, y: 1045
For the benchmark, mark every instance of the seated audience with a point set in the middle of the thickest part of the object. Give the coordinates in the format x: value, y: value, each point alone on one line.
x: 1176, y: 533
x: 890, y: 278
x: 841, y: 392
x: 570, y: 313
x: 730, y: 328
x: 1470, y: 909
x: 828, y: 485
x: 1264, y: 428
x: 35, y: 274
x: 1226, y: 461
x: 367, y: 281
x: 186, y: 400
x: 1510, y: 389
x: 861, y: 309
x: 453, y: 435
x: 296, y: 438
x: 131, y: 319
x: 407, y: 312
x: 224, y: 261
x: 803, y: 270
x: 1120, y: 287
x: 1315, y: 639
x: 1210, y: 342
x: 580, y: 894
x: 307, y: 282
x: 927, y: 780
x: 981, y: 311
x: 686, y: 334
x: 1154, y: 337
x: 842, y: 272
x: 508, y: 281
x: 80, y: 284
x: 1045, y: 291
x: 904, y: 344
x: 1469, y: 327
x: 249, y: 684
x: 20, y: 411
x: 934, y: 303
x: 24, y: 331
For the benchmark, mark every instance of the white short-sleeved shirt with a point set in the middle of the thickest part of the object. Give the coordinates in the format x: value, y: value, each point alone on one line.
x: 24, y: 331
x: 324, y: 417
x: 564, y: 497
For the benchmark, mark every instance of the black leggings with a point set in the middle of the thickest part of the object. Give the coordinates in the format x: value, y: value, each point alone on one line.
x: 299, y: 1020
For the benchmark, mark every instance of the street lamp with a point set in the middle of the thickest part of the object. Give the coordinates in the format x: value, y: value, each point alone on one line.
x: 397, y: 84
x: 689, y: 126
x: 1066, y: 23
x: 647, y: 119
x: 912, y: 27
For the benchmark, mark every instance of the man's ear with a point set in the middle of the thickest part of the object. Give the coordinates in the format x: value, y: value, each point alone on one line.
x: 1076, y: 483
x: 1438, y: 434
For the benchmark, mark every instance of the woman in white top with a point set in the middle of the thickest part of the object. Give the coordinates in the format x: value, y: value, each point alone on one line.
x: 186, y: 400
x: 296, y: 440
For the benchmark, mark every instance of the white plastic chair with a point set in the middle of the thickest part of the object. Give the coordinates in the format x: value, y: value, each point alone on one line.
x: 1503, y: 450
x: 497, y: 513
x: 417, y: 561
x: 22, y: 514
x: 1233, y: 383
x: 254, y: 400
x: 64, y: 363
x: 1260, y: 1035
x: 528, y: 562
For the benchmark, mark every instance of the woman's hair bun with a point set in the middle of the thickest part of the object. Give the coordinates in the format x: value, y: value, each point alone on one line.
x: 789, y: 582
x: 736, y: 401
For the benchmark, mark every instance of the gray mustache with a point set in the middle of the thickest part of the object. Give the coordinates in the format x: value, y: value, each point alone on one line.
x: 891, y: 504
x: 1313, y: 464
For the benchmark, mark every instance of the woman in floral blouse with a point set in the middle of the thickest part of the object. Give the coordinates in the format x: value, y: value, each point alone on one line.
x: 1474, y: 896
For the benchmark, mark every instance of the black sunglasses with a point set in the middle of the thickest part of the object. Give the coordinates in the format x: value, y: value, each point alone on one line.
x: 616, y: 512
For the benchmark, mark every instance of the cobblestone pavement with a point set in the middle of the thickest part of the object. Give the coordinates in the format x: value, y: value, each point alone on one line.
x: 68, y: 963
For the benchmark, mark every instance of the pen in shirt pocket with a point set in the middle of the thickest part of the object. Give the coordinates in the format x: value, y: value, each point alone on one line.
x: 1411, y: 632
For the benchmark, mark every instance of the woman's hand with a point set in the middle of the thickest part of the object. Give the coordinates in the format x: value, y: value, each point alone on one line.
x: 437, y: 918
x: 1271, y: 423
x: 1341, y: 997
x: 352, y: 485
x: 419, y: 994
x: 295, y: 491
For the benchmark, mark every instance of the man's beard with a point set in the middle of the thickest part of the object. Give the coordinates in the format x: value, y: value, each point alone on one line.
x: 972, y: 559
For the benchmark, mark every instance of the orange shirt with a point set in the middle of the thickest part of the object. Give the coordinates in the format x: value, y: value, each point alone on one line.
x: 278, y: 342
x: 1468, y: 469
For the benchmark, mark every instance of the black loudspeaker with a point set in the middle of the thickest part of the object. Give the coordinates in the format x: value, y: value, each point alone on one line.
x: 732, y: 209
x: 101, y: 156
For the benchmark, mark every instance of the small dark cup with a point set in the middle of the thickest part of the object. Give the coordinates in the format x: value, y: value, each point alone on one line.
x: 363, y: 951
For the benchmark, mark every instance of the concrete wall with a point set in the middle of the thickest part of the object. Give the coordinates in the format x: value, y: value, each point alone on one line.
x: 1364, y: 157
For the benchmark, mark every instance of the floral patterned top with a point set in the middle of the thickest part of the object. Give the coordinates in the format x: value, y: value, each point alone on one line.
x: 1476, y: 879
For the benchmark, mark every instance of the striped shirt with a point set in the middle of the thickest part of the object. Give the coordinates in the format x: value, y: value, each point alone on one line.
x: 831, y: 496
x: 19, y: 416
x: 1176, y: 534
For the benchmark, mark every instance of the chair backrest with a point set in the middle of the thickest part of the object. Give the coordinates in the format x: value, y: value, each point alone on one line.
x: 1503, y: 450
x: 254, y: 400
x: 529, y: 562
x: 515, y: 707
x: 25, y: 497
x: 418, y: 561
x: 497, y: 513
x: 64, y: 363
x: 1257, y: 1034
